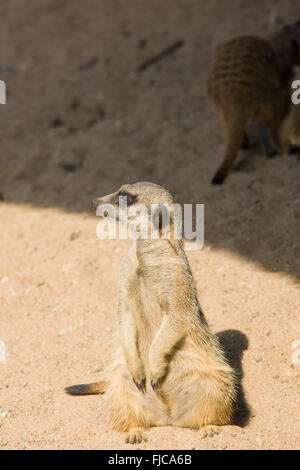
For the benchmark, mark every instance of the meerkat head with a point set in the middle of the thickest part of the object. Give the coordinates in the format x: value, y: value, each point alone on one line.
x: 146, y: 208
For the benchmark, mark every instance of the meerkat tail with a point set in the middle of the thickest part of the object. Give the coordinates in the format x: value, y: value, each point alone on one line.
x: 87, y: 389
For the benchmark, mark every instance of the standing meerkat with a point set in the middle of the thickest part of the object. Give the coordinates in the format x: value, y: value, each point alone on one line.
x: 171, y: 369
x: 251, y: 78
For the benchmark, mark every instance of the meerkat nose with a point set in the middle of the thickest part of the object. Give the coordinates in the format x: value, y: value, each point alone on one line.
x: 93, y: 204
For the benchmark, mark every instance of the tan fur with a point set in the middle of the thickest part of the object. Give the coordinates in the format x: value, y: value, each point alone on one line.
x: 171, y: 369
x: 251, y: 78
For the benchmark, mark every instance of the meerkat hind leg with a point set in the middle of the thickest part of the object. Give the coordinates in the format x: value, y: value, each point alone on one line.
x: 235, y: 135
x: 130, y: 410
x: 246, y: 143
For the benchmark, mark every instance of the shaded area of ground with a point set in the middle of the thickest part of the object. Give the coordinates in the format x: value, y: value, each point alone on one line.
x: 81, y: 119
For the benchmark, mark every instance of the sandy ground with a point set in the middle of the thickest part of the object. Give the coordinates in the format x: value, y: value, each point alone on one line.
x: 79, y: 122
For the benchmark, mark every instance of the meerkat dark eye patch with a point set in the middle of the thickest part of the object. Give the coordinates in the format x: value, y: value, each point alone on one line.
x: 131, y: 198
x: 161, y: 217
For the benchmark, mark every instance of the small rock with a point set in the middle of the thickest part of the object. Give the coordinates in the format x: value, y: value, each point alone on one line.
x: 74, y: 235
x: 67, y: 267
x: 88, y: 64
x: 70, y: 167
x: 66, y: 330
x: 259, y: 442
x: 57, y: 122
x: 142, y: 43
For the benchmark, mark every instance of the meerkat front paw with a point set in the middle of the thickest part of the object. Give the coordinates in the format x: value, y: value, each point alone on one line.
x: 157, y: 377
x: 139, y: 377
x: 155, y: 383
x: 140, y: 382
x: 137, y: 371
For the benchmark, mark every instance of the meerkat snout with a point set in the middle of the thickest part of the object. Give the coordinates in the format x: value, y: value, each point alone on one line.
x: 93, y: 204
x: 145, y: 193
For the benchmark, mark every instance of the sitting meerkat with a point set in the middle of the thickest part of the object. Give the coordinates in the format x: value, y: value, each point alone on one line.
x: 171, y: 369
x: 251, y: 78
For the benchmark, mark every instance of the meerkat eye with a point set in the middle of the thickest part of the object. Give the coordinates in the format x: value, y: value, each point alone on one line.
x: 131, y: 198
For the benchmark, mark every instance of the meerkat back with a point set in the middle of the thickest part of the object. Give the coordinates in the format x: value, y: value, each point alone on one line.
x: 244, y: 79
x: 240, y: 71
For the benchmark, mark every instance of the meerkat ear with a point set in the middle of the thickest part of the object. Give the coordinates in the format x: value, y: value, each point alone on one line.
x: 161, y: 217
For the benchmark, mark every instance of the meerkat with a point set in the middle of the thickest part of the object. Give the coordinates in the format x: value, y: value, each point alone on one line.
x: 171, y: 369
x: 251, y: 78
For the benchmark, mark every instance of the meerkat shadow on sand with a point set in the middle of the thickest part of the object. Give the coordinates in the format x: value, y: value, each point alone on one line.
x: 234, y: 343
